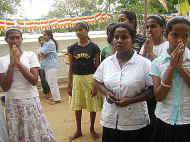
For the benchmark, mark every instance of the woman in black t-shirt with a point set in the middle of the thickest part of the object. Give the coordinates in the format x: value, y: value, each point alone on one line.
x: 83, y: 61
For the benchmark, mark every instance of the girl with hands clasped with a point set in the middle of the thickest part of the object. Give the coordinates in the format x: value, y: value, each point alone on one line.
x: 155, y: 44
x: 124, y: 81
x: 171, y: 78
x: 18, y: 77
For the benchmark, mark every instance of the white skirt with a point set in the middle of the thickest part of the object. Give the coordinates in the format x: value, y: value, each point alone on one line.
x: 3, y: 128
x: 26, y: 121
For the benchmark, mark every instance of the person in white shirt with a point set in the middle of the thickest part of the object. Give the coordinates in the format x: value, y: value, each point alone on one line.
x: 171, y: 78
x: 124, y: 80
x: 18, y: 78
x: 155, y: 44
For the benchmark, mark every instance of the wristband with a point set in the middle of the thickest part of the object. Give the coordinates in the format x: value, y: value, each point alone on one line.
x: 165, y: 85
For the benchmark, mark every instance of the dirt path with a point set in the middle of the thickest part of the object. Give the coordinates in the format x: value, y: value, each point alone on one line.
x: 61, y: 119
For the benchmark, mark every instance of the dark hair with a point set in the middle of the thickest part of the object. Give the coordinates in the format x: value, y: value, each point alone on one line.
x: 50, y: 34
x: 131, y: 16
x: 131, y: 30
x: 159, y: 20
x: 83, y: 25
x: 39, y: 39
x: 174, y: 21
x: 108, y: 31
x: 9, y: 30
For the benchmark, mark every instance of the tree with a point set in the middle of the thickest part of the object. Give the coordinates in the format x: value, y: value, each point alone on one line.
x: 73, y: 8
x: 8, y: 6
x: 156, y: 7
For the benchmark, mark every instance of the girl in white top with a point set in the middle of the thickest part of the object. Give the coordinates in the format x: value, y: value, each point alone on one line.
x: 18, y: 77
x: 123, y: 79
x: 155, y: 44
x: 171, y: 79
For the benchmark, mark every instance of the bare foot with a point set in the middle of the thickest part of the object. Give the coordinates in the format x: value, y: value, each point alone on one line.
x: 54, y: 102
x: 94, y: 135
x: 75, y: 136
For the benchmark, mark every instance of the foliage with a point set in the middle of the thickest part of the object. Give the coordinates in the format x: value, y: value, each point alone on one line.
x: 8, y: 6
x: 89, y: 7
x: 73, y: 8
x: 154, y: 6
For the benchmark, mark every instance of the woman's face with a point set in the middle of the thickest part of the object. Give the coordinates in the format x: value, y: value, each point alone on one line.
x: 122, y: 40
x: 154, y: 30
x: 179, y: 32
x: 14, y: 38
x: 123, y: 19
x: 46, y: 37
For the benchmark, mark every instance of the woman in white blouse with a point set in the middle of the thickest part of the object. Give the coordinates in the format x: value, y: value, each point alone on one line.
x: 124, y: 81
x: 18, y: 78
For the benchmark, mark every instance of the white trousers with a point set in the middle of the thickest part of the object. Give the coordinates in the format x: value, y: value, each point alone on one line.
x: 51, y: 76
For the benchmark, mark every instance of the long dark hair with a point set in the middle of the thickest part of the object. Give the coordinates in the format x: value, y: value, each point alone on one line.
x: 50, y: 34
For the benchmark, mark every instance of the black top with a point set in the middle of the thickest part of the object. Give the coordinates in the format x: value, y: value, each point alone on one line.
x: 139, y: 41
x: 83, y: 58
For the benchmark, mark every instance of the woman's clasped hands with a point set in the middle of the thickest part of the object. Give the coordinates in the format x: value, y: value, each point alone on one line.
x: 119, y: 101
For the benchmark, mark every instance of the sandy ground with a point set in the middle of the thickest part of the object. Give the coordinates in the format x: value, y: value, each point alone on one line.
x: 62, y: 121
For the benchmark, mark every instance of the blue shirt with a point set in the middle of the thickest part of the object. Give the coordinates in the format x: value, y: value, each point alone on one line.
x: 175, y: 108
x: 51, y: 59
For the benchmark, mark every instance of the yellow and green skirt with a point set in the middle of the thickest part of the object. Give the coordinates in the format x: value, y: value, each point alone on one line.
x: 81, y: 94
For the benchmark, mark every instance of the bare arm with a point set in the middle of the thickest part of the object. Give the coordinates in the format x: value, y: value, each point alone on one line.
x: 110, y: 97
x: 185, y: 74
x: 143, y: 96
x: 97, y: 60
x: 160, y: 91
x: 70, y: 75
x: 30, y: 75
x: 7, y: 78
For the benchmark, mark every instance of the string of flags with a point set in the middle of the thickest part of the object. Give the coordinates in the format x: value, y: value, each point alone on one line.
x: 55, y: 23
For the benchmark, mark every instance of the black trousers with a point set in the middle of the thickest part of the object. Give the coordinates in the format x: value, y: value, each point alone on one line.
x: 44, y: 82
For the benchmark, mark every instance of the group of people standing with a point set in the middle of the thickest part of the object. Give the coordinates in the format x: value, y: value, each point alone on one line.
x: 153, y: 83
x: 140, y: 85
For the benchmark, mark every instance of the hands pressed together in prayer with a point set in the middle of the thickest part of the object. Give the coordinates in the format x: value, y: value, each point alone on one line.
x: 15, y: 55
x: 119, y: 101
x: 177, y: 56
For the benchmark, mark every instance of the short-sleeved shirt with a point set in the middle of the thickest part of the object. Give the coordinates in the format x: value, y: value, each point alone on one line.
x: 129, y: 81
x: 51, y: 59
x: 83, y: 58
x: 105, y: 52
x: 20, y: 87
x: 175, y: 108
x: 158, y: 49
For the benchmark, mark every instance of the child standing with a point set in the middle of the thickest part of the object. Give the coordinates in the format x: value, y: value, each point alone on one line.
x: 84, y: 57
x: 171, y: 78
x: 19, y: 75
x: 50, y: 64
x: 44, y: 83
